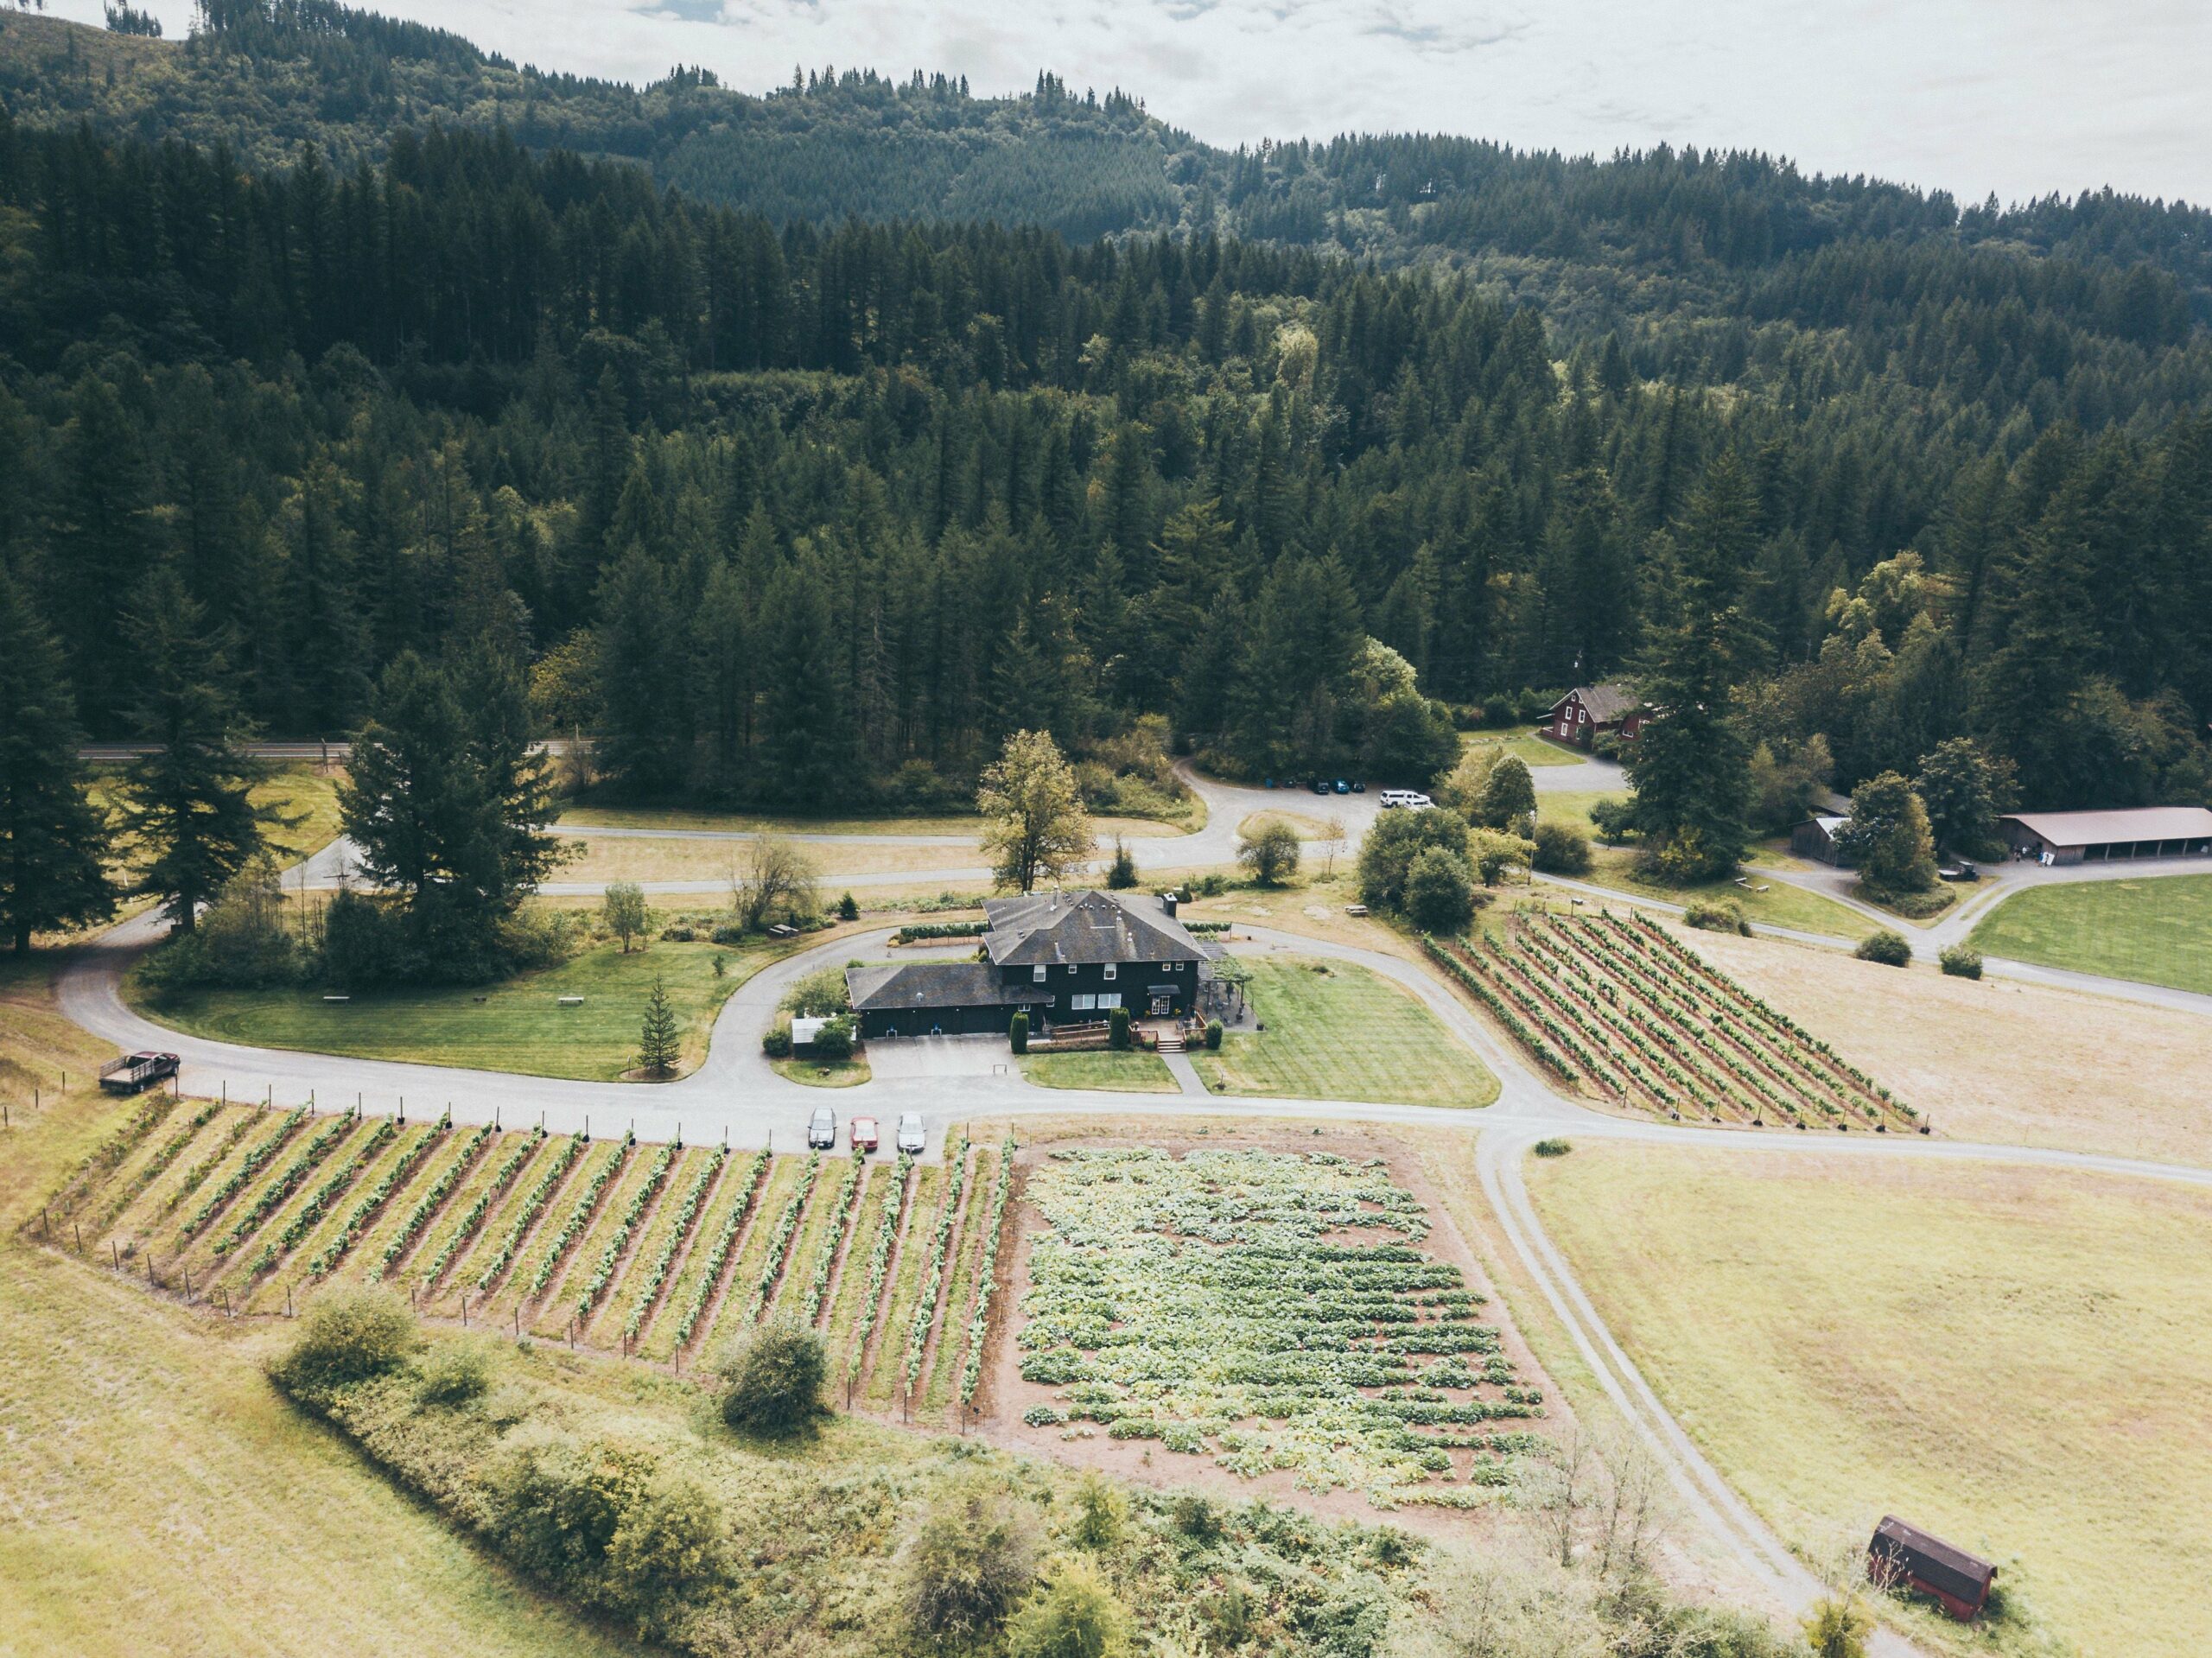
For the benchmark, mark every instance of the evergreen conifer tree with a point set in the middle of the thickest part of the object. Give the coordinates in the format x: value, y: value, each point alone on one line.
x: 189, y: 801
x: 53, y: 842
x: 659, y: 1046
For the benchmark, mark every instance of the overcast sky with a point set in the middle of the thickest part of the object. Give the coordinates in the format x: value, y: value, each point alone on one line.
x: 2018, y: 96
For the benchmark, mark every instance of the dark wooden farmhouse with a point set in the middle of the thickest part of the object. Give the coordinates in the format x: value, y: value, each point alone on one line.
x: 1815, y: 838
x: 1067, y: 957
x: 1588, y: 711
x: 1902, y: 1556
x: 2100, y: 837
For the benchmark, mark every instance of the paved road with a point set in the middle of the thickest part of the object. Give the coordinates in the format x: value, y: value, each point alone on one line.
x: 736, y: 1094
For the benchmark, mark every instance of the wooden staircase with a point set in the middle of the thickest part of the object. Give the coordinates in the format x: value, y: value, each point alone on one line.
x: 1171, y: 1041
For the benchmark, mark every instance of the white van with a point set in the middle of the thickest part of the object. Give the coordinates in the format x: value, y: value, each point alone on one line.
x: 1412, y: 799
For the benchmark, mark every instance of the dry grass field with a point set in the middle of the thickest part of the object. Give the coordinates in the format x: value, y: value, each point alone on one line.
x: 2021, y: 1361
x: 156, y: 1496
x: 1993, y: 1059
x: 608, y: 858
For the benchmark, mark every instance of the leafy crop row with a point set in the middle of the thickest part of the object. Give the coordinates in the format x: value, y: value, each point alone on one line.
x: 366, y: 1211
x: 825, y: 1258
x: 196, y: 1175
x: 334, y: 1186
x: 632, y: 1212
x: 656, y: 1274
x: 158, y: 1165
x: 533, y: 1205
x: 779, y: 1242
x: 918, y: 1332
x: 320, y: 1145
x: 971, y: 1370
x: 879, y: 1266
x: 240, y: 1178
x: 463, y: 1231
x: 711, y: 1275
x: 416, y: 1218
x: 577, y: 1221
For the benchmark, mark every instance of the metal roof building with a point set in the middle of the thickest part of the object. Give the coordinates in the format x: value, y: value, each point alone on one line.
x: 2100, y: 836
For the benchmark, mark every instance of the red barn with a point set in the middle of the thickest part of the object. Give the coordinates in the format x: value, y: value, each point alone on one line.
x: 1905, y: 1557
x: 1587, y: 710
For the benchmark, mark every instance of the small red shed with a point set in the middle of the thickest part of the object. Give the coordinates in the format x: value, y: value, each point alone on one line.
x: 1906, y: 1557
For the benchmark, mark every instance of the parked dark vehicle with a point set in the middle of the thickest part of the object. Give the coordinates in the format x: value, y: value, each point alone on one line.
x: 1358, y: 787
x: 821, y: 1131
x: 1959, y: 871
x: 136, y: 1072
x: 1344, y: 786
x: 1320, y: 786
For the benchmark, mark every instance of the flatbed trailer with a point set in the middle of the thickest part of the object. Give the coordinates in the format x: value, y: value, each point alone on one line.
x: 136, y: 1072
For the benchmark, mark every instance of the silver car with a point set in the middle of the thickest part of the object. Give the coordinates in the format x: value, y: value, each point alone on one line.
x: 821, y: 1132
x: 911, y: 1137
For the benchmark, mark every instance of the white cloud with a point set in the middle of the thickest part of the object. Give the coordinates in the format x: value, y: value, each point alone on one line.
x: 2020, y: 96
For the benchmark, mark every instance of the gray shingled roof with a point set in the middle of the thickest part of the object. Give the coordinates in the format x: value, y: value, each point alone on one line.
x: 932, y: 984
x: 1606, y: 704
x: 1058, y: 928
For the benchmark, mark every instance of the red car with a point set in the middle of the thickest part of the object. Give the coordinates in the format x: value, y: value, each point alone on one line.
x: 865, y: 1135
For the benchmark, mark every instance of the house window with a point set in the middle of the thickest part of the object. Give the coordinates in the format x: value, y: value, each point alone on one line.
x: 1109, y: 999
x: 1112, y: 968
x: 1074, y: 969
x: 1082, y: 1003
x: 1037, y: 976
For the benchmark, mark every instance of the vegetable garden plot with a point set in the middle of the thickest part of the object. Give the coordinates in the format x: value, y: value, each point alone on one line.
x: 1272, y: 1311
x: 924, y: 1202
x: 1621, y: 1004
x: 152, y: 1211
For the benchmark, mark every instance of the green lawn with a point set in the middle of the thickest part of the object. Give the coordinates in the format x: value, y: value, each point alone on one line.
x: 1337, y: 1032
x: 2157, y: 930
x: 823, y: 1073
x: 1532, y: 749
x: 1779, y: 905
x: 1126, y: 1073
x: 516, y: 1026
x: 1573, y: 806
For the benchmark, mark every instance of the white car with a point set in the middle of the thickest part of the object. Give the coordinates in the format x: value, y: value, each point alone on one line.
x: 910, y: 1138
x: 1411, y: 799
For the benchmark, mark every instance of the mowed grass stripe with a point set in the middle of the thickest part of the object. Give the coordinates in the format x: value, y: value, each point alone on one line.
x: 949, y: 1343
x: 658, y: 1342
x: 784, y: 1175
x: 925, y: 1207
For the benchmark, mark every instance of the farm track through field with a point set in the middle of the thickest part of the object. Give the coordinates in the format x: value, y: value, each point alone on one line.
x: 1528, y: 1107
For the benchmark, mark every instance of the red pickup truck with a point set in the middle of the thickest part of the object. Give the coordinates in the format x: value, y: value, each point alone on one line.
x: 136, y: 1072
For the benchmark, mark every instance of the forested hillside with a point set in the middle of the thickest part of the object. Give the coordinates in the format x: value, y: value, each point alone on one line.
x: 800, y: 512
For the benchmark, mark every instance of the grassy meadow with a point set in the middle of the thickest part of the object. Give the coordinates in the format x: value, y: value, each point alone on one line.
x: 1336, y: 1030
x: 2019, y: 1360
x: 2157, y: 929
x: 517, y: 1024
x: 160, y: 1497
x: 1764, y: 901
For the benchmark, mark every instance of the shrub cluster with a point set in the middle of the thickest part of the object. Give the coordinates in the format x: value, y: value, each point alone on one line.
x: 1890, y: 948
x: 1962, y: 962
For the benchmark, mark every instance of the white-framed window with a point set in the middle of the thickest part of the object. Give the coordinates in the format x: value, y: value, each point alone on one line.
x: 1037, y: 975
x: 1074, y: 967
x: 1109, y: 998
x: 1112, y: 968
x: 1082, y: 1003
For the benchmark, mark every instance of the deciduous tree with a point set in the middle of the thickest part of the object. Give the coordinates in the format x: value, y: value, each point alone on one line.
x: 1037, y: 828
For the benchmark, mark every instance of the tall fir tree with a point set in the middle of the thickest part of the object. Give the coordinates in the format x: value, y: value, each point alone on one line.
x: 54, y: 841
x: 188, y: 803
x: 1691, y: 765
